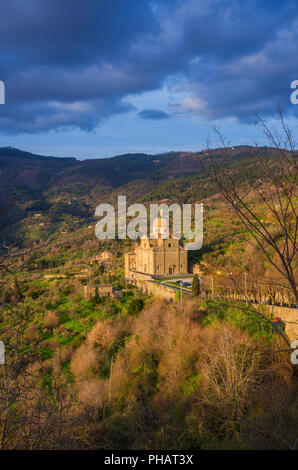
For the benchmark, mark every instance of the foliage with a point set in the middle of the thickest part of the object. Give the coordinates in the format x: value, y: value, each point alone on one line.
x: 196, y: 285
x: 135, y: 306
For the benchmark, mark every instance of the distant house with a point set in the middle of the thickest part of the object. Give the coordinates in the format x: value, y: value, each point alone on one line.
x: 104, y: 256
x: 104, y: 290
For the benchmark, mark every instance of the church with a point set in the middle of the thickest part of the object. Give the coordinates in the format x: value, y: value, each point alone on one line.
x: 157, y: 257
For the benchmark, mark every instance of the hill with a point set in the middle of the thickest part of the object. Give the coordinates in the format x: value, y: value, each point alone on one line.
x: 55, y: 199
x: 132, y: 371
x: 37, y: 182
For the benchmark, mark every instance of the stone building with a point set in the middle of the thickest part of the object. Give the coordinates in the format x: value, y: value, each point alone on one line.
x: 157, y: 256
x: 104, y: 290
x: 103, y: 257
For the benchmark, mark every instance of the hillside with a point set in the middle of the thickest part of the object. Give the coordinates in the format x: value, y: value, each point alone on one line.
x: 27, y: 176
x: 55, y: 198
x: 38, y: 183
x: 132, y: 371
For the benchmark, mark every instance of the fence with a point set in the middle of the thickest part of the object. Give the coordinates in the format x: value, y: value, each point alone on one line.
x: 267, y: 291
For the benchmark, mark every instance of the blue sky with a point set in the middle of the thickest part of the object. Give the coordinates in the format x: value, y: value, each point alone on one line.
x: 104, y: 77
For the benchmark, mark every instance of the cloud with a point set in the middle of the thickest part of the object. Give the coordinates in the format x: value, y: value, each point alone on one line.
x: 67, y: 63
x: 153, y: 114
x: 242, y: 57
x: 38, y: 117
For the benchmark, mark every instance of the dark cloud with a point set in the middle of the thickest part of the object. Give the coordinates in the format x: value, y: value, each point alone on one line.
x: 253, y: 83
x: 241, y: 56
x: 37, y: 117
x: 153, y: 114
x: 70, y: 63
x: 69, y: 32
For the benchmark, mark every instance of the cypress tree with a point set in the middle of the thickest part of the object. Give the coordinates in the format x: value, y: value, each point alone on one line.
x: 195, y: 285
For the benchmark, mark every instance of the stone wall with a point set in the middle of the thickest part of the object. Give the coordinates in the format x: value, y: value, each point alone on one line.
x: 289, y: 316
x: 152, y: 288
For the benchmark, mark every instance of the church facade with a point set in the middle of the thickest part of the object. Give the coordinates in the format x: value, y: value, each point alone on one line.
x: 156, y: 256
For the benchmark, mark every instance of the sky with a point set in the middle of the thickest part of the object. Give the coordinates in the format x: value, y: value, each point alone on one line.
x: 97, y: 78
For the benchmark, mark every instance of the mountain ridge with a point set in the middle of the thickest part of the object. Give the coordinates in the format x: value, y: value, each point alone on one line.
x: 61, y: 184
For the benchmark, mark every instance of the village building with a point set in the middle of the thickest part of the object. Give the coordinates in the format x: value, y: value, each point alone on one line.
x: 103, y: 290
x: 104, y: 257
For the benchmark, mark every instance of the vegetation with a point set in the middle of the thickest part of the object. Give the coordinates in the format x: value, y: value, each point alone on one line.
x: 196, y: 285
x: 165, y: 377
x: 135, y: 372
x: 275, y: 186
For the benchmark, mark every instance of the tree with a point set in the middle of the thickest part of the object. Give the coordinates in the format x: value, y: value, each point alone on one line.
x: 96, y: 298
x: 196, y: 288
x: 273, y: 175
x: 135, y: 306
